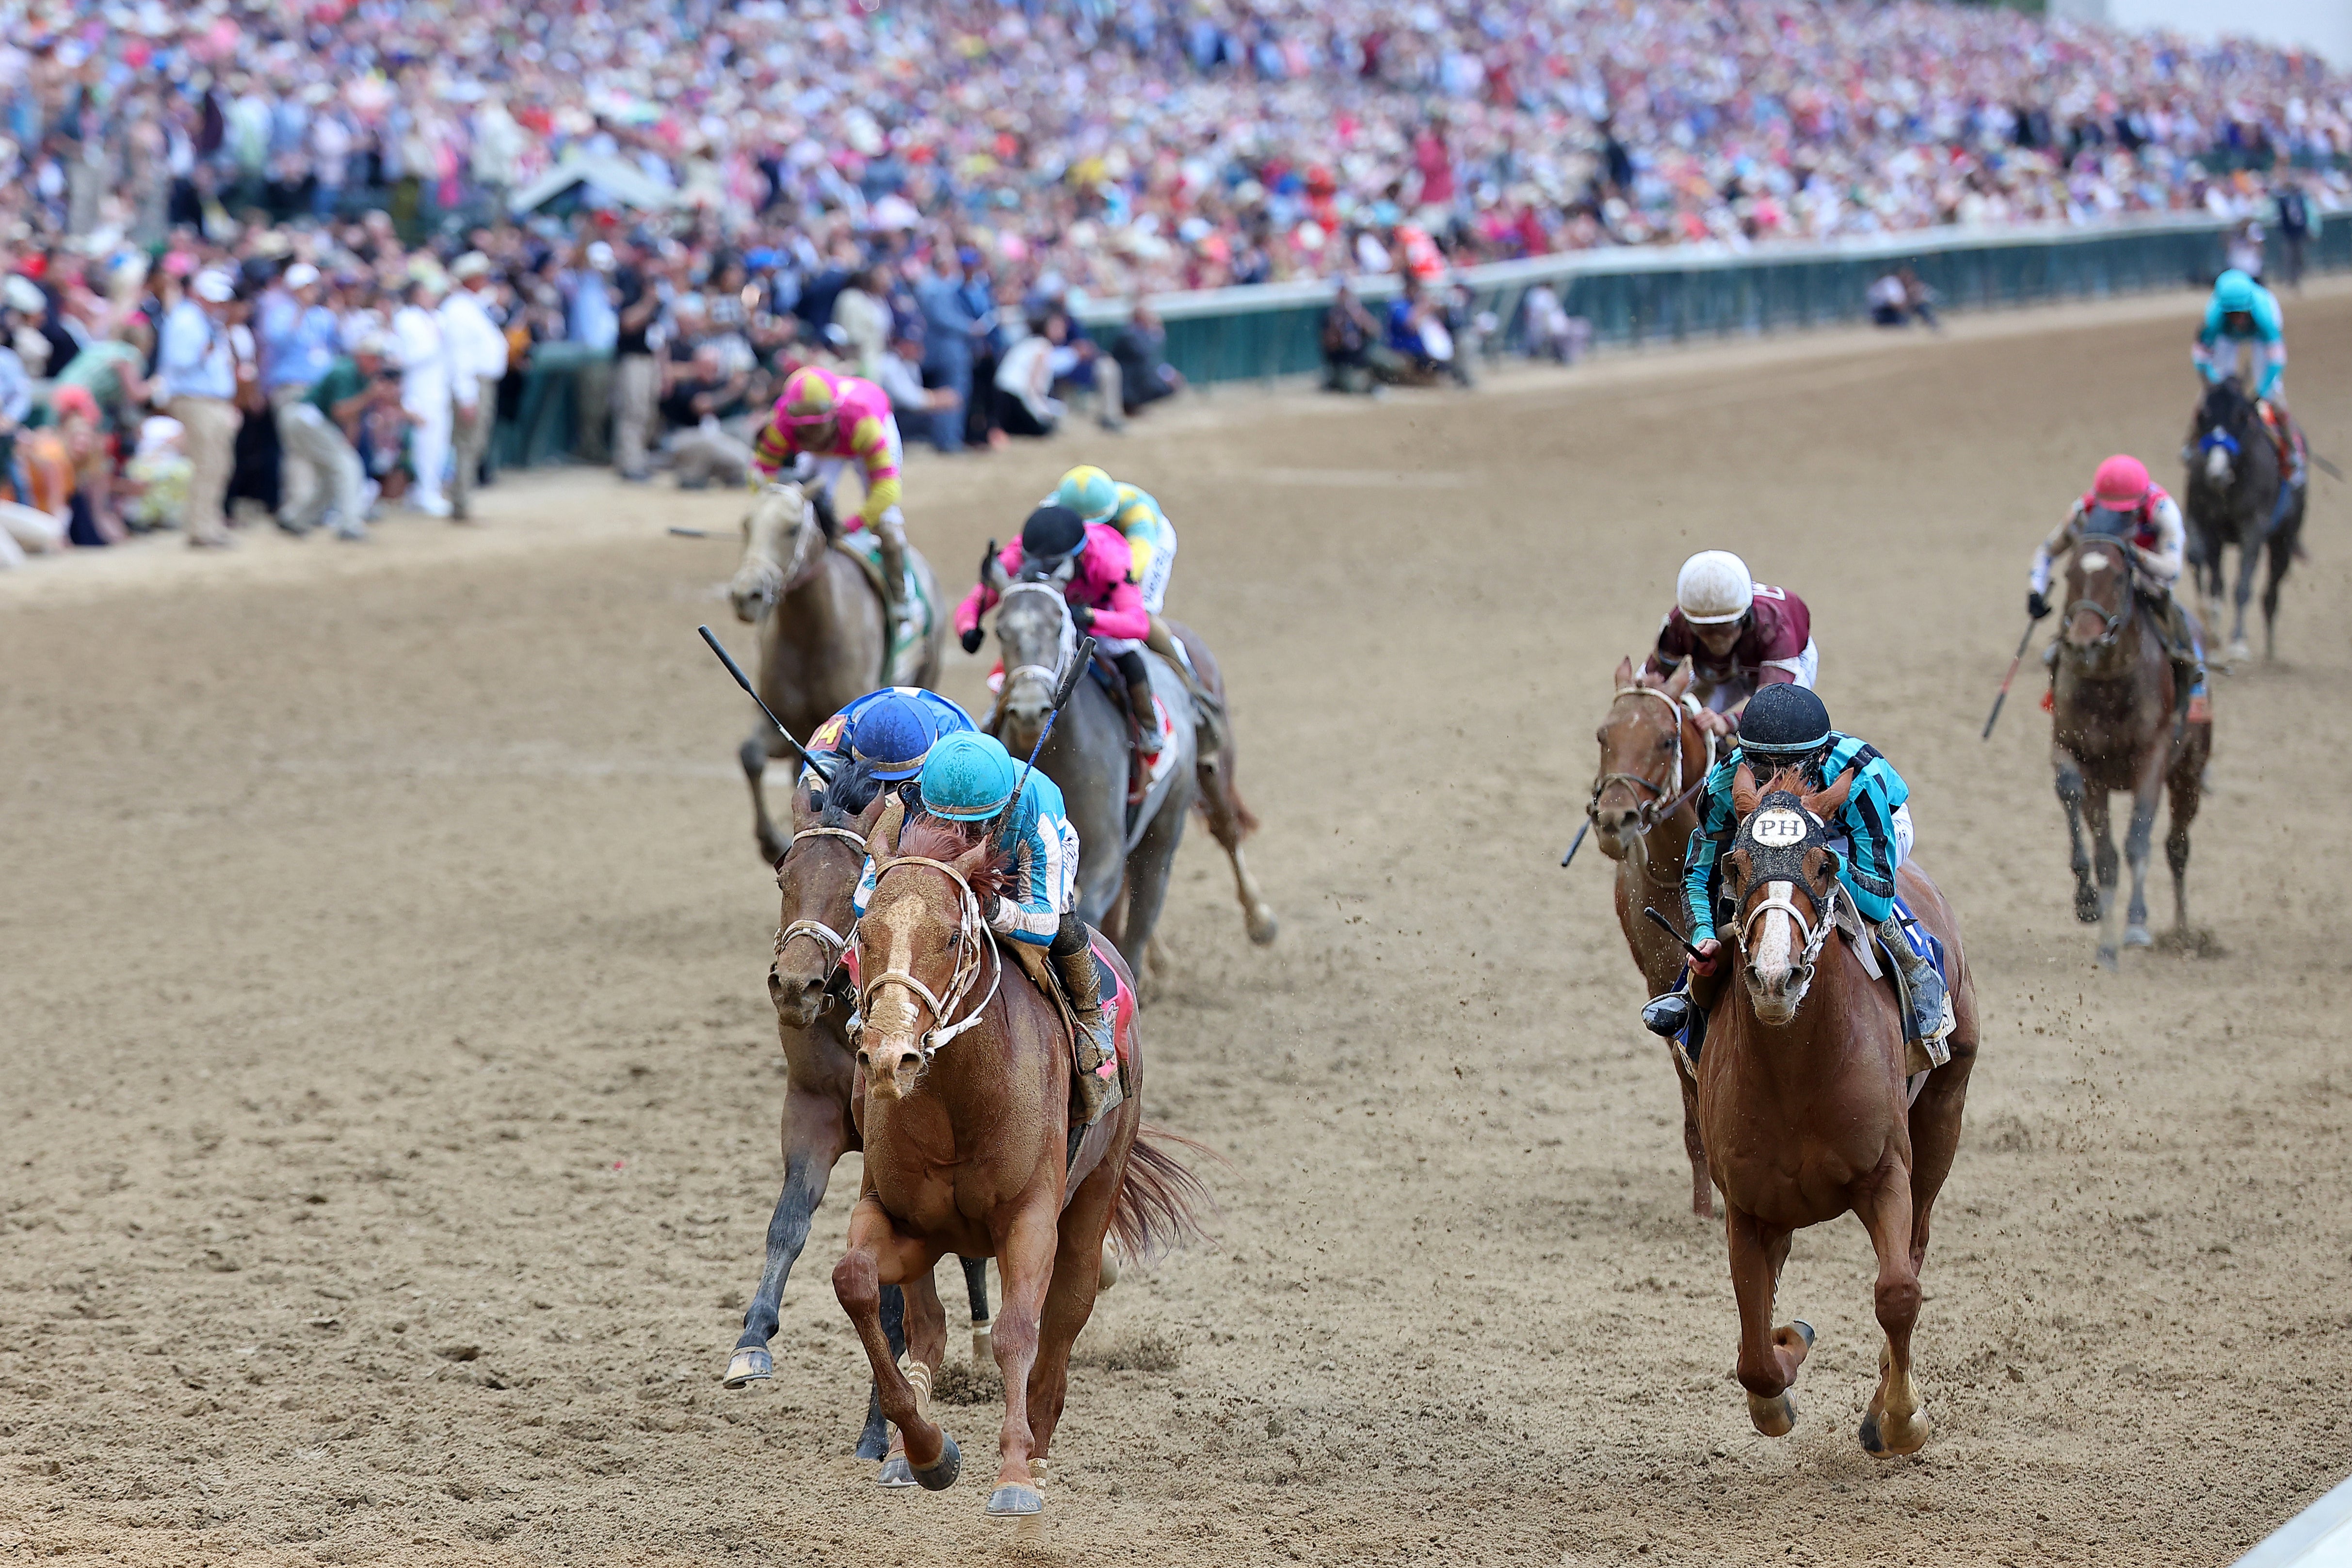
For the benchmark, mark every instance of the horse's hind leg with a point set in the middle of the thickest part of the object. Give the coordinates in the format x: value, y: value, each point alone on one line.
x: 754, y: 754
x: 2280, y: 551
x: 2250, y: 559
x: 2071, y: 796
x: 2186, y: 784
x: 975, y: 1285
x: 2109, y: 868
x: 1229, y: 824
x: 1768, y: 1356
x: 2135, y: 846
x: 1895, y: 1423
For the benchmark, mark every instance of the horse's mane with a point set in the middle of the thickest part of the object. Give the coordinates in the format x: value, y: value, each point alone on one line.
x: 846, y: 798
x: 940, y: 839
x: 1824, y: 803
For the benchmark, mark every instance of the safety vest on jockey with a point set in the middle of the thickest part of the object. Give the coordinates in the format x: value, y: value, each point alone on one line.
x: 889, y: 731
x: 2242, y: 311
x: 827, y: 415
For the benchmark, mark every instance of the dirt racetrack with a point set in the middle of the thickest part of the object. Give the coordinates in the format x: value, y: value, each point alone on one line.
x: 391, y: 1090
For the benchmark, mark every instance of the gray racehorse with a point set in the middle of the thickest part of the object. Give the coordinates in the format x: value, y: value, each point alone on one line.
x: 822, y: 637
x: 2238, y: 496
x: 1121, y: 849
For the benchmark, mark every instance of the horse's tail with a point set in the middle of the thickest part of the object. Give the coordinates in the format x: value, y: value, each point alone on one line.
x: 1161, y: 1199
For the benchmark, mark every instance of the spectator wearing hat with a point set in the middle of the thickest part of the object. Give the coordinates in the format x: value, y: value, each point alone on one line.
x: 424, y: 392
x: 199, y: 375
x: 477, y: 362
x: 321, y: 435
x: 298, y: 344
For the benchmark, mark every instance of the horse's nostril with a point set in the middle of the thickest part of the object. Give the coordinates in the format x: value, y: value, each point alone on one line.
x: 865, y: 1059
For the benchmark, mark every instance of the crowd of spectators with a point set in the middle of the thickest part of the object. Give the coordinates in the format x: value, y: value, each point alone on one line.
x: 924, y: 192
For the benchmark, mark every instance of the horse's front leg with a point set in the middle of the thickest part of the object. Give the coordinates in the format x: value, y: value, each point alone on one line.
x: 1768, y: 1356
x: 879, y: 1255
x: 1694, y: 1143
x: 754, y: 756
x: 1895, y: 1423
x: 2250, y: 561
x: 2109, y: 869
x: 1024, y: 1267
x: 2136, y: 837
x: 816, y: 1132
x: 975, y: 1286
x: 2071, y: 796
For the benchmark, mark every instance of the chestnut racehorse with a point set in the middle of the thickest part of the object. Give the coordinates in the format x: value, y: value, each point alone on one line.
x: 809, y: 985
x: 1802, y: 1097
x: 1644, y: 807
x: 2115, y: 726
x: 965, y: 1115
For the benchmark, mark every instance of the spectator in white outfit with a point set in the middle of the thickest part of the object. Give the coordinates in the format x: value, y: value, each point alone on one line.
x: 477, y: 362
x: 425, y: 393
x: 199, y: 375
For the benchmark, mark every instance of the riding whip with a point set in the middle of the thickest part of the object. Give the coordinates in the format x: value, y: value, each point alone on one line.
x: 2325, y: 467
x: 2024, y: 642
x: 1078, y: 663
x: 677, y: 533
x: 1667, y: 927
x: 1576, y: 844
x: 744, y: 681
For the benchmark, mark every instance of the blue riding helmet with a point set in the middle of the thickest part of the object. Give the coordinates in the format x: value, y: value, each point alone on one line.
x: 968, y: 776
x: 894, y: 736
x: 2235, y: 292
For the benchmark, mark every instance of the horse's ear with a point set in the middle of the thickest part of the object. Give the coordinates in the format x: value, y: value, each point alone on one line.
x: 992, y: 573
x: 872, y: 815
x: 805, y: 805
x: 882, y: 837
x: 1679, y: 682
x: 1744, y: 793
x: 969, y: 863
x: 1828, y: 803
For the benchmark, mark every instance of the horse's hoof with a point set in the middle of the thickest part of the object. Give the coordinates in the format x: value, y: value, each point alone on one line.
x: 984, y: 1344
x: 1804, y: 1328
x: 1774, y: 1417
x: 2137, y: 936
x: 748, y: 1364
x: 1014, y: 1500
x: 1888, y: 1440
x: 874, y: 1443
x: 943, y: 1474
x: 1109, y: 1275
x: 2240, y: 652
x: 2087, y: 906
x: 894, y: 1474
x: 2108, y: 959
x: 1264, y: 927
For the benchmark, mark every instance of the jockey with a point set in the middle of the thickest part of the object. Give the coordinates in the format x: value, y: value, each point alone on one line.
x: 2243, y: 314
x: 824, y: 423
x: 1151, y: 538
x: 1740, y: 635
x: 889, y: 732
x: 2125, y: 502
x: 1786, y: 726
x: 970, y: 777
x: 1090, y: 561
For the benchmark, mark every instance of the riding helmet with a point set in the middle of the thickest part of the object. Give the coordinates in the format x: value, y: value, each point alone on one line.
x: 2121, y: 483
x: 1785, y: 720
x: 1714, y: 588
x: 893, y: 737
x: 2235, y: 291
x: 1089, y: 492
x: 1052, y: 534
x: 968, y: 776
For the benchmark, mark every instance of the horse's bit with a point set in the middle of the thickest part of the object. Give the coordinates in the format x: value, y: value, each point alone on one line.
x: 1650, y: 813
x: 1778, y: 897
x: 970, y: 943
x: 833, y: 942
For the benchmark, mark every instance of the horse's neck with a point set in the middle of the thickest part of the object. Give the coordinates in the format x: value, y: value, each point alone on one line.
x: 1798, y: 1056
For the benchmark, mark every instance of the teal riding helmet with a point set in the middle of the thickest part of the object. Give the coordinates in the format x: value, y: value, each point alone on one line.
x: 2234, y: 292
x: 968, y: 776
x: 1089, y: 492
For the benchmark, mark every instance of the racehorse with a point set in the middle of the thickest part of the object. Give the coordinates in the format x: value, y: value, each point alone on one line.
x: 2115, y: 727
x: 1119, y: 849
x: 964, y: 1108
x: 2234, y: 492
x: 1654, y: 758
x: 817, y: 876
x: 1802, y: 1097
x: 823, y: 636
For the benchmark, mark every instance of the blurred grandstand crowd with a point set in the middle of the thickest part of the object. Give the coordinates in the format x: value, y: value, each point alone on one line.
x: 687, y: 198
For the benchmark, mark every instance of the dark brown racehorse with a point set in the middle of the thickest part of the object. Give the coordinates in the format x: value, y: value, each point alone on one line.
x: 1801, y: 1098
x: 1644, y: 807
x: 2239, y: 495
x: 809, y: 985
x: 2115, y: 727
x: 965, y: 1115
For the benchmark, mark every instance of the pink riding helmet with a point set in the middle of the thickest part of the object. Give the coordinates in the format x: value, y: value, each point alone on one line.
x: 2121, y: 484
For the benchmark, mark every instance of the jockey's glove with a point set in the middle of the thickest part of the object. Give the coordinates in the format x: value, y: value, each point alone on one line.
x: 2036, y: 607
x: 1084, y: 619
x: 989, y: 555
x: 972, y: 639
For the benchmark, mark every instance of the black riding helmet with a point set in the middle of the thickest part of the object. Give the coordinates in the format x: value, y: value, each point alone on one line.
x: 1052, y: 535
x: 1784, y: 720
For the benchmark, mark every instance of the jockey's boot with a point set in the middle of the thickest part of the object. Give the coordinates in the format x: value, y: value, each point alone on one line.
x: 1927, y: 987
x: 1096, y: 1090
x: 1208, y: 707
x: 1147, y: 720
x: 890, y: 532
x: 2180, y: 648
x: 1666, y: 1016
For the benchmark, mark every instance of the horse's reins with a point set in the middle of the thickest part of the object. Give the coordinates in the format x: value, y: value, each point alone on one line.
x: 970, y: 942
x: 834, y: 944
x: 1650, y: 813
x: 1814, y: 936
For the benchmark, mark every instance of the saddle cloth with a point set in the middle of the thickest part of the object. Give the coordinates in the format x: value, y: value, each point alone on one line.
x: 1141, y: 781
x: 913, y: 630
x: 1919, y: 1055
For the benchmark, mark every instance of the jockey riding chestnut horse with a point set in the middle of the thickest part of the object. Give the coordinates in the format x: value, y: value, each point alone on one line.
x: 1740, y: 635
x: 1786, y: 726
x: 1091, y: 562
x: 2123, y: 503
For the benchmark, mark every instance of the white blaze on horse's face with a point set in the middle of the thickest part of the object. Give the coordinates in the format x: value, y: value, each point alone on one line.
x: 1772, y: 961
x: 2217, y: 464
x: 889, y: 1045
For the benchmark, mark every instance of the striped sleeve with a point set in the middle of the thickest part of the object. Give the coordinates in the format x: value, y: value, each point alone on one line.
x: 772, y: 449
x: 1715, y: 830
x: 1031, y: 912
x: 870, y: 444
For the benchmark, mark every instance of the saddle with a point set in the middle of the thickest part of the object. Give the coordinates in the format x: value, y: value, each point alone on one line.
x: 1117, y: 999
x: 919, y: 613
x: 2285, y: 434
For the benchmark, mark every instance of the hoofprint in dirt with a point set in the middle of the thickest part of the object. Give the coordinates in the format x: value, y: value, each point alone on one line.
x: 392, y: 1085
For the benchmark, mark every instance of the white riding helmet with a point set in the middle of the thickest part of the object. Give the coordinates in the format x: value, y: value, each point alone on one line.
x: 1714, y: 587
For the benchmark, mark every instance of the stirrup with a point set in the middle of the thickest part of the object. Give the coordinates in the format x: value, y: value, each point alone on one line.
x: 1666, y: 1016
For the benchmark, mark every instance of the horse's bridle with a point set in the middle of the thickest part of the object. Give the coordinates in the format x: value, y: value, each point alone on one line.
x: 971, y: 949
x: 2114, y: 620
x: 1052, y: 677
x: 794, y: 573
x: 834, y: 943
x: 1651, y: 813
x: 1801, y: 971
